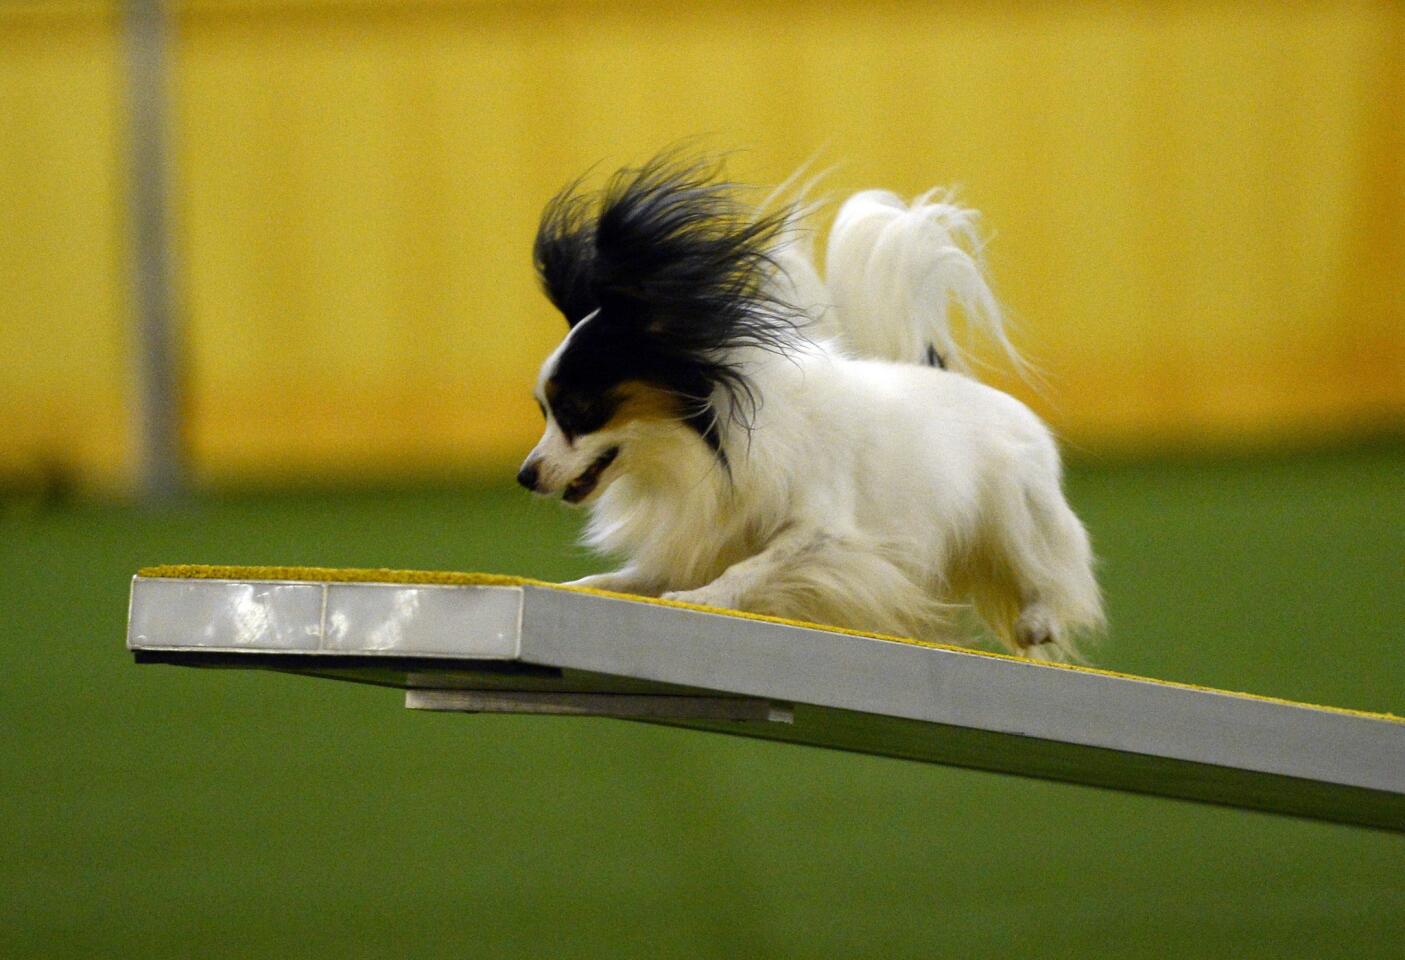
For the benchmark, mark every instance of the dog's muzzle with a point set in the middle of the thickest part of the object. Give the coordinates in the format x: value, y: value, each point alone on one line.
x: 581, y: 487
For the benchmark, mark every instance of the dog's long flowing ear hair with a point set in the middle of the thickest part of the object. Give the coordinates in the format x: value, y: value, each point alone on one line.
x: 669, y: 253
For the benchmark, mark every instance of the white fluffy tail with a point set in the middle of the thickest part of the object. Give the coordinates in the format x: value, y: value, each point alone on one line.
x: 893, y: 270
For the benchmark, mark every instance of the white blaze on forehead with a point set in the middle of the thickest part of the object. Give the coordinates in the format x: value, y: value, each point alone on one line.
x: 550, y: 363
x: 558, y: 458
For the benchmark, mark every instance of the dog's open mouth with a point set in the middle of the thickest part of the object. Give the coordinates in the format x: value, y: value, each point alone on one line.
x: 580, y: 488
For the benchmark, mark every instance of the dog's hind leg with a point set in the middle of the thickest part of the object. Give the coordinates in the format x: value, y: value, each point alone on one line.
x: 1045, y: 565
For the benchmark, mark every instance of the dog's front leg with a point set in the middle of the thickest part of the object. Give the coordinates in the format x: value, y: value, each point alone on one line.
x: 626, y: 580
x: 746, y: 577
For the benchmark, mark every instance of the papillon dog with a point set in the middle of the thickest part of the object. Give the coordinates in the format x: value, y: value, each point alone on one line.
x: 749, y: 436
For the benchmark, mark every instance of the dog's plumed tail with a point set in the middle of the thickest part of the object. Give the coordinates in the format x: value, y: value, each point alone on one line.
x: 895, y: 271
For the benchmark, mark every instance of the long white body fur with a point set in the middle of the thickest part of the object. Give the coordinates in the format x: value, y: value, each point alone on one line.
x: 872, y: 490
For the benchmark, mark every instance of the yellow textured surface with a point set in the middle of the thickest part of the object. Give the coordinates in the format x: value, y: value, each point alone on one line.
x: 1198, y: 208
x: 448, y: 578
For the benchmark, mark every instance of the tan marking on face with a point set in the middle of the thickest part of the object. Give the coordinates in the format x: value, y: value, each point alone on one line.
x: 642, y: 401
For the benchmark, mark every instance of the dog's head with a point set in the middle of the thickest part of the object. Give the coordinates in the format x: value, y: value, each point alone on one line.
x: 663, y: 280
x: 602, y: 392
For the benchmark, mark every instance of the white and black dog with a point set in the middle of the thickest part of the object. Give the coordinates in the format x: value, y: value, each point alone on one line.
x: 749, y: 436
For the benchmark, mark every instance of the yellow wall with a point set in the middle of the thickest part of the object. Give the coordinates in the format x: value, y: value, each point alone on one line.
x: 62, y: 339
x: 1198, y: 208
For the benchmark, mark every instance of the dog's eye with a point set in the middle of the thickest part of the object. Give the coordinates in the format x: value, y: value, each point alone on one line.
x: 571, y: 410
x: 579, y: 414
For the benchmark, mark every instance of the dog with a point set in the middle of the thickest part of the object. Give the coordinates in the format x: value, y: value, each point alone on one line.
x: 749, y: 436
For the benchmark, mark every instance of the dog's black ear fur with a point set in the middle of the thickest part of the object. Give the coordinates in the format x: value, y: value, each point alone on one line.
x: 673, y: 239
x: 564, y: 253
x: 667, y: 249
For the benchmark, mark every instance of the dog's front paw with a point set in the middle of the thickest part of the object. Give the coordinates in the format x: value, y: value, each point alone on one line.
x: 597, y: 581
x: 708, y: 596
x: 621, y: 581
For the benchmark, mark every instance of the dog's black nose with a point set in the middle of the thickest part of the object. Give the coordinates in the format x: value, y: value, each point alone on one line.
x: 527, y: 476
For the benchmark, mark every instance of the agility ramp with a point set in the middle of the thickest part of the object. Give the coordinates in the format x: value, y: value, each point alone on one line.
x: 485, y: 643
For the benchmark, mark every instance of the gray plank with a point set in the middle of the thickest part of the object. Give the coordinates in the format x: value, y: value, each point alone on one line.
x: 538, y: 647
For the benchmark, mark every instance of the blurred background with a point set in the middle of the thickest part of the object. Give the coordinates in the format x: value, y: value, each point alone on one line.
x: 267, y: 298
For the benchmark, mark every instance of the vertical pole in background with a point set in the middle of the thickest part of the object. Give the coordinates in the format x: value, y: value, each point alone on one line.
x: 160, y: 455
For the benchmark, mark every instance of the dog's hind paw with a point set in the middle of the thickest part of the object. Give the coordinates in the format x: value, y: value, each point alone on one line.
x: 1036, y: 627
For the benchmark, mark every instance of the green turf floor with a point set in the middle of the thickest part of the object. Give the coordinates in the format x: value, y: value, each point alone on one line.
x: 164, y: 812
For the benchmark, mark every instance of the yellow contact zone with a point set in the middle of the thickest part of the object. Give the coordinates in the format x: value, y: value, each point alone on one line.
x: 445, y: 578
